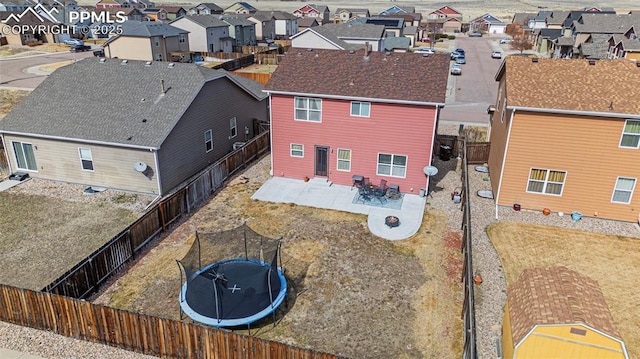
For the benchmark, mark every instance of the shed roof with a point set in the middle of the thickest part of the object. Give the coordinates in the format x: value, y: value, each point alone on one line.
x: 387, y: 76
x: 557, y: 295
x: 141, y: 116
x: 607, y: 86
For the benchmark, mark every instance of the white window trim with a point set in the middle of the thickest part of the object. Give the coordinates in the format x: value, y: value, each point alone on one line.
x: 622, y: 135
x: 359, y: 115
x: 406, y: 165
x: 338, y: 159
x: 635, y: 181
x: 15, y: 157
x: 206, y: 140
x: 295, y: 100
x: 546, y: 181
x: 233, y: 125
x: 291, y: 150
x: 156, y: 42
x: 86, y: 159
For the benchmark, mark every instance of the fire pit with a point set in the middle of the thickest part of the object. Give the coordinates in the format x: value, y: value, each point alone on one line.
x: 392, y: 221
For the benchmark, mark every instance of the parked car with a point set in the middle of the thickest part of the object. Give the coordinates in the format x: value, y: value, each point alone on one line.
x: 459, y: 50
x: 73, y: 42
x: 424, y: 50
x: 506, y: 40
x: 80, y: 48
x: 496, y: 55
x: 461, y: 60
x: 98, y: 53
x: 456, y: 69
x: 475, y: 34
x: 455, y: 54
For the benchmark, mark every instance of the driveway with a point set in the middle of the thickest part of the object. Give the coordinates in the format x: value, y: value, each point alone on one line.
x: 476, y: 88
x: 14, y: 74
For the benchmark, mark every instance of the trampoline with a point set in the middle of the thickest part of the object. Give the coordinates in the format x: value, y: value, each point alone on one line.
x: 236, y: 291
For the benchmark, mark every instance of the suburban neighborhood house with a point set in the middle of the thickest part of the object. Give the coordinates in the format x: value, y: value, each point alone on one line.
x: 368, y: 116
x: 207, y: 33
x: 567, y: 141
x: 148, y: 41
x: 171, y: 122
x: 341, y: 37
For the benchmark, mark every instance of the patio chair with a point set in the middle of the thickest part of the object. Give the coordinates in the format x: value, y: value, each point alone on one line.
x: 364, y: 194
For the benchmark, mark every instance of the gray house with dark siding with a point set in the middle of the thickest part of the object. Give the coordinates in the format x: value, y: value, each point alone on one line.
x: 143, y: 127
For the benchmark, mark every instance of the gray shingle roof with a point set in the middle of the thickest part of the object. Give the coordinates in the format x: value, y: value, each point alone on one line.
x: 150, y: 29
x: 392, y: 43
x: 205, y: 21
x: 282, y: 15
x: 211, y: 6
x: 235, y: 20
x: 351, y: 31
x: 387, y: 77
x: 605, y: 23
x: 138, y: 116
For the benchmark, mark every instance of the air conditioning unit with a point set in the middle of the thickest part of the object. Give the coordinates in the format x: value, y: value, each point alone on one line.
x: 238, y: 145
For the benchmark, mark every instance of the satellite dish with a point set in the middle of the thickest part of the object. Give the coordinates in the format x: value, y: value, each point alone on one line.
x: 140, y: 167
x: 430, y: 170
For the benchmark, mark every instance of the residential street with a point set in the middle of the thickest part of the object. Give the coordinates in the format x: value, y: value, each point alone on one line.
x: 14, y: 74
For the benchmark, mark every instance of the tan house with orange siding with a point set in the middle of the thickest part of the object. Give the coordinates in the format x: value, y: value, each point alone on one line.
x: 565, y: 135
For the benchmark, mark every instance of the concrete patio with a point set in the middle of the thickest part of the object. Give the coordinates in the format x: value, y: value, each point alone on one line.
x: 320, y: 193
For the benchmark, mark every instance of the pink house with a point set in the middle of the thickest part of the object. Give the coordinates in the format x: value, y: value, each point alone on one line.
x: 363, y: 113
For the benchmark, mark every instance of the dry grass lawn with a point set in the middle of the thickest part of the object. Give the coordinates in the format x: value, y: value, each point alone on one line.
x: 42, y: 237
x: 350, y: 292
x: 263, y: 69
x: 56, y: 65
x: 611, y: 260
x: 9, y: 99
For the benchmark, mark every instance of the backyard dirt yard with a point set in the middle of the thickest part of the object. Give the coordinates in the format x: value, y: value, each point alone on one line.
x: 610, y: 260
x: 351, y: 293
x: 46, y: 228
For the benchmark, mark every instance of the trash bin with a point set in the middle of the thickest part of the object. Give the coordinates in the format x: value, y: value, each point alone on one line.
x: 445, y: 152
x: 422, y: 192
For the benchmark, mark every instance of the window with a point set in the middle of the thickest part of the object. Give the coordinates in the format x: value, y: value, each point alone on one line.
x: 623, y: 190
x: 630, y: 134
x: 297, y: 150
x: 360, y: 109
x: 308, y: 109
x: 156, y: 41
x: 25, y: 159
x: 181, y: 38
x: 208, y: 140
x: 86, y: 159
x: 344, y: 160
x: 392, y: 165
x: 546, y: 181
x: 233, y: 125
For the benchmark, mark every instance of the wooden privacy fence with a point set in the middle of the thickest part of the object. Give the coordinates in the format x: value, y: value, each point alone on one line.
x: 475, y: 153
x: 137, y: 332
x: 261, y: 78
x: 86, y: 277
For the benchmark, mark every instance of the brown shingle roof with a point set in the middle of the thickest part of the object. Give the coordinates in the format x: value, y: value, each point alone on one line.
x: 384, y: 76
x: 608, y: 86
x: 556, y: 295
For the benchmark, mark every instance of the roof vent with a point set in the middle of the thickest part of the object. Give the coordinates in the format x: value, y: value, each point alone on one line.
x: 148, y: 63
x: 124, y: 62
x: 171, y: 65
x: 103, y: 60
x: 534, y: 59
x: 592, y: 62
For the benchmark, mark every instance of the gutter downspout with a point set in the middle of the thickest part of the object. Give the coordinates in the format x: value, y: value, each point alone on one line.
x: 433, y: 143
x: 155, y: 157
x: 504, y: 158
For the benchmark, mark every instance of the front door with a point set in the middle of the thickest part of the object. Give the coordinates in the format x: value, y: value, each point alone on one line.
x: 322, y: 161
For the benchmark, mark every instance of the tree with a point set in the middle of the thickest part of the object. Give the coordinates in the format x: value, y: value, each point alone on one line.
x: 520, y: 38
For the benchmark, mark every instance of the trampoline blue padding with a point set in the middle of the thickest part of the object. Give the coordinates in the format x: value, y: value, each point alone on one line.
x: 233, y: 292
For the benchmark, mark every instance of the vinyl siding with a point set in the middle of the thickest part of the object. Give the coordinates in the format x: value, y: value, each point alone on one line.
x: 197, y: 34
x: 498, y: 139
x: 312, y: 40
x: 586, y: 148
x: 132, y: 48
x: 391, y: 128
x: 183, y: 153
x: 113, y: 166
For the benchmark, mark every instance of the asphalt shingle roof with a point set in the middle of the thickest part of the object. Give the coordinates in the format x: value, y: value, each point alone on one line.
x: 122, y: 103
x: 150, y: 29
x: 608, y: 86
x: 384, y: 76
x: 206, y: 21
x: 556, y: 295
x: 351, y: 31
x: 605, y: 23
